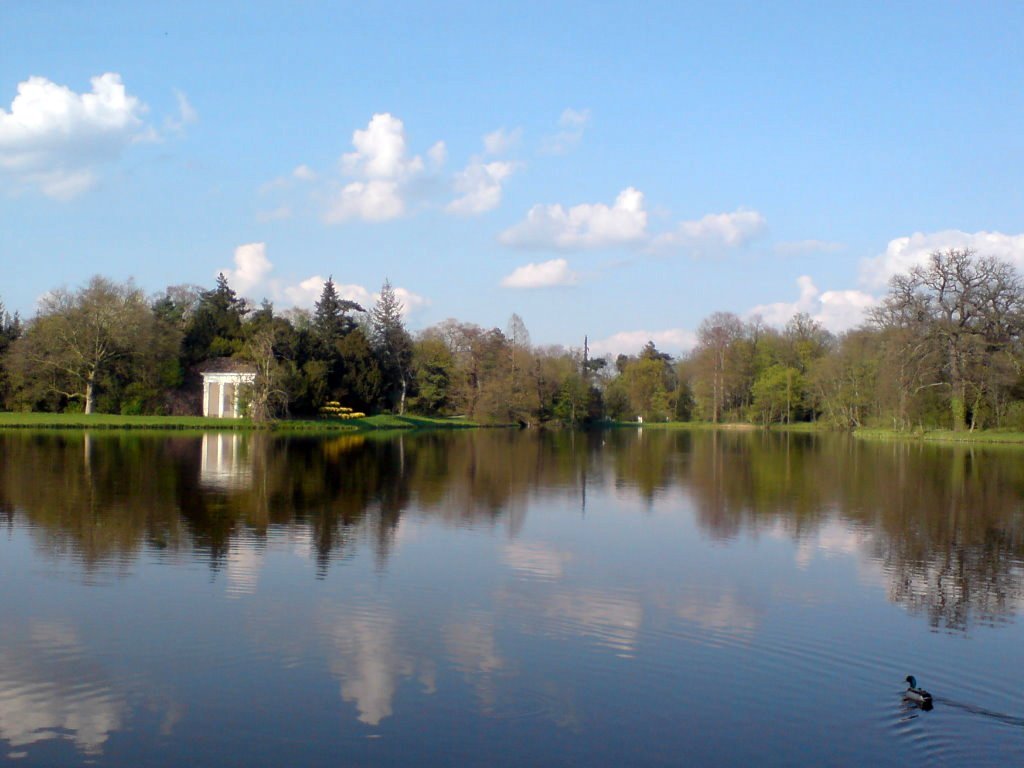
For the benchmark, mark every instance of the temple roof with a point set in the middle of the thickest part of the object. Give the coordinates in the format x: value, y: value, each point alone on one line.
x: 225, y: 365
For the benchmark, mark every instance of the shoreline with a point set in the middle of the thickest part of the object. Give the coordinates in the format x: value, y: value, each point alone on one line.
x: 109, y: 421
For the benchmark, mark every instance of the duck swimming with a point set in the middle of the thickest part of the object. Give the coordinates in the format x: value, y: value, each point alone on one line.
x: 917, y: 695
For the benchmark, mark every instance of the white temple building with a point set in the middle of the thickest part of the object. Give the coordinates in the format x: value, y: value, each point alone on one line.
x: 222, y: 379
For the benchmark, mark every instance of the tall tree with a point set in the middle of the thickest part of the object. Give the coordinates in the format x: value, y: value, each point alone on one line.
x: 10, y: 330
x: 968, y: 307
x: 332, y: 320
x: 78, y: 338
x: 715, y: 337
x: 393, y: 346
x: 215, y: 327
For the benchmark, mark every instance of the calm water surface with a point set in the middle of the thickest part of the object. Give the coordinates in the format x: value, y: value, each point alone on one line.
x: 502, y: 598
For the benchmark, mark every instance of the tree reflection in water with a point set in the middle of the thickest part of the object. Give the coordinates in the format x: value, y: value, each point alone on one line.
x: 946, y: 523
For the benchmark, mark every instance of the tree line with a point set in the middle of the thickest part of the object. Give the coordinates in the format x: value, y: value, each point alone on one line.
x: 943, y: 348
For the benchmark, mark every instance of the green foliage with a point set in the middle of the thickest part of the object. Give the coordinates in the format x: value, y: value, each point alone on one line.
x: 332, y: 320
x: 393, y: 347
x: 944, y: 349
x: 215, y: 328
x: 777, y: 394
x: 433, y: 370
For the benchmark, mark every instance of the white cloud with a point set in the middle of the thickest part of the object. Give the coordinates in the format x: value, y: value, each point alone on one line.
x: 837, y: 311
x: 381, y: 151
x: 572, y: 123
x: 721, y: 229
x: 437, y: 155
x: 501, y: 141
x: 587, y: 225
x: 410, y: 301
x: 383, y: 169
x: 304, y: 173
x: 305, y: 293
x: 479, y: 186
x: 796, y: 247
x: 904, y: 253
x: 671, y: 340
x: 54, y: 139
x: 546, y: 274
x: 375, y: 200
x: 251, y: 266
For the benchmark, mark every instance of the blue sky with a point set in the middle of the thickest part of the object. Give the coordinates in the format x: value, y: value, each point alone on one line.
x: 598, y: 169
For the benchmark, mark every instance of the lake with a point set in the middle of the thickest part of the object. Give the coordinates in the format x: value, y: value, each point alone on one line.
x: 506, y: 598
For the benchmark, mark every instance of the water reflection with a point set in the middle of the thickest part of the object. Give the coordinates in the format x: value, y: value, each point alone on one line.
x: 51, y: 688
x: 946, y: 524
x: 226, y: 462
x: 462, y: 576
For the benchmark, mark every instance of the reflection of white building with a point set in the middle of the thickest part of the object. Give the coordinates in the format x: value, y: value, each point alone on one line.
x: 222, y: 379
x: 226, y: 462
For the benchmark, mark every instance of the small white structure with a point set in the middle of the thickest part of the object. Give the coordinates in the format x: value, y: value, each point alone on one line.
x: 222, y: 378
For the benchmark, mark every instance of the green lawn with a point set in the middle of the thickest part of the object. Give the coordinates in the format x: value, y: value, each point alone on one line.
x: 944, y: 435
x: 737, y: 426
x: 115, y: 421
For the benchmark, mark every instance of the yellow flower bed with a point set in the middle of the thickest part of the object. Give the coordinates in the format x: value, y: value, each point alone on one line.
x: 335, y: 410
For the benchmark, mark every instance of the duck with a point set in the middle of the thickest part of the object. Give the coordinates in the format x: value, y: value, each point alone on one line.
x: 917, y: 695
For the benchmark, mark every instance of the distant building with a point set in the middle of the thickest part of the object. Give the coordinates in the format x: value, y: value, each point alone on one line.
x: 222, y: 378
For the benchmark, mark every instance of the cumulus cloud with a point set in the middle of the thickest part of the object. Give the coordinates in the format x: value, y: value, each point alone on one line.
x: 672, y: 340
x: 306, y: 292
x: 501, y: 141
x: 383, y: 169
x: 836, y: 310
x: 904, y: 253
x: 304, y: 173
x: 546, y: 274
x: 54, y: 139
x: 588, y: 225
x: 571, y: 124
x: 479, y: 187
x: 375, y: 200
x: 381, y: 150
x: 251, y: 266
x: 715, y: 229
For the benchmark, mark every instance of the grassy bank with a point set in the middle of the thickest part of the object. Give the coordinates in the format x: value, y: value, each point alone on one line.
x: 707, y: 425
x: 116, y: 421
x: 944, y: 436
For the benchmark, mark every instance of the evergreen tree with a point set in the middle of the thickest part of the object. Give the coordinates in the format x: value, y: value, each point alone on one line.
x: 215, y: 329
x: 393, y: 346
x: 331, y: 318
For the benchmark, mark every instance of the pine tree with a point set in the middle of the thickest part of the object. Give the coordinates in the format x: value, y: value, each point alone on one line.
x: 215, y: 329
x: 392, y: 344
x: 331, y: 319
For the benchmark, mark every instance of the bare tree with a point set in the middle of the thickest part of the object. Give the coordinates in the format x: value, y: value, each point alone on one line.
x: 961, y: 307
